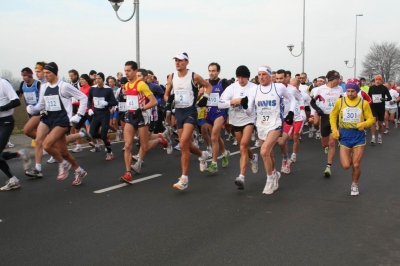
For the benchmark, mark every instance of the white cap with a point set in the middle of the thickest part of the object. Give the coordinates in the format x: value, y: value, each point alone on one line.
x: 181, y: 56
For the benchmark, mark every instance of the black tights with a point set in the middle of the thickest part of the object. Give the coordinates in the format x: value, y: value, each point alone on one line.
x: 101, y: 119
x: 6, y: 128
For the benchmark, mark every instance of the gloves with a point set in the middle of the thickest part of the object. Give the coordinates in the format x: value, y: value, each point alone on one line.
x: 90, y: 112
x: 361, y: 126
x: 75, y: 119
x: 137, y: 113
x: 383, y: 99
x: 31, y: 110
x: 203, y: 101
x: 244, y: 102
x: 289, y: 118
x: 171, y: 98
x: 104, y: 103
x: 335, y: 133
x: 319, y: 111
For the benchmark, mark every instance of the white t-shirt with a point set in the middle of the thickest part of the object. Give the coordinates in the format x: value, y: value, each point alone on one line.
x: 327, y: 97
x: 7, y: 94
x: 394, y: 95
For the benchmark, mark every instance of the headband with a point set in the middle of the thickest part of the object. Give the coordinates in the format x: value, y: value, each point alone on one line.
x: 321, y: 79
x: 26, y: 73
x: 266, y: 70
x: 40, y: 67
x: 334, y: 77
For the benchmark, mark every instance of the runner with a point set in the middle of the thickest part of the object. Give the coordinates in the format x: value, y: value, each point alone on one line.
x: 8, y: 101
x: 56, y: 101
x: 122, y: 104
x: 114, y: 114
x: 269, y: 105
x: 379, y: 94
x: 354, y: 114
x: 183, y: 82
x: 314, y: 119
x: 216, y: 117
x: 139, y: 99
x: 235, y: 97
x: 391, y: 107
x: 327, y: 95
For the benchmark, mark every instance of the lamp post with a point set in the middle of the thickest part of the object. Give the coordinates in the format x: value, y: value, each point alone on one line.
x: 355, y: 51
x: 290, y: 46
x: 116, y: 5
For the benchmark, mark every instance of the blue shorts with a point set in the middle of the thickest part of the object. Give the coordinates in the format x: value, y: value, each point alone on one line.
x: 201, y: 121
x: 351, y: 138
x: 87, y: 122
x: 186, y: 116
x: 212, y: 116
x: 45, y: 120
x: 114, y: 115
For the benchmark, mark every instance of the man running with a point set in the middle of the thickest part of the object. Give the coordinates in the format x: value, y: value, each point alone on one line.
x: 391, y: 107
x: 354, y: 115
x: 327, y: 95
x: 184, y: 81
x: 235, y: 97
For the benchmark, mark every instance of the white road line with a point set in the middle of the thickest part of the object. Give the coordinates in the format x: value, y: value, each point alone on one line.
x: 232, y: 153
x: 125, y: 184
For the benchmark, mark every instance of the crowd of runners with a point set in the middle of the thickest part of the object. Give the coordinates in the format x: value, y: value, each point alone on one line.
x: 271, y: 108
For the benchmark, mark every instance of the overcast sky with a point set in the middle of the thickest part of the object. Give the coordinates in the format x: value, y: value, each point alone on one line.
x: 85, y: 34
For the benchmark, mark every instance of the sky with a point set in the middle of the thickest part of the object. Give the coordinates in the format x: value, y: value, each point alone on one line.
x: 86, y: 34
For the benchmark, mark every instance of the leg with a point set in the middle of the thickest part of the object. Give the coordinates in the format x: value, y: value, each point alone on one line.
x: 31, y: 126
x: 357, y: 156
x: 266, y: 151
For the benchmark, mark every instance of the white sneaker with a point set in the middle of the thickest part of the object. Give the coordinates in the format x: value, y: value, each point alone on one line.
x: 284, y: 166
x: 26, y: 159
x: 203, y: 162
x: 276, y: 180
x: 136, y: 167
x: 10, y: 185
x: 254, y: 164
x: 310, y: 134
x: 63, y: 171
x: 10, y: 145
x: 257, y: 144
x: 269, y: 187
x: 234, y: 143
x: 44, y: 152
x: 209, y: 152
x: 354, y: 190
x: 51, y: 160
x: 318, y: 135
x: 182, y: 184
x: 239, y: 182
x: 77, y: 149
x: 118, y: 135
x: 293, y: 157
x: 177, y: 147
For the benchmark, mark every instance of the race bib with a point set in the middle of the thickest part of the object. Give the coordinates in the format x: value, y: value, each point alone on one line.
x: 213, y: 99
x: 96, y: 101
x: 329, y: 104
x: 376, y: 98
x: 265, y: 116
x: 52, y: 103
x: 351, y: 115
x: 182, y: 98
x: 132, y: 102
x: 30, y: 98
x: 122, y: 106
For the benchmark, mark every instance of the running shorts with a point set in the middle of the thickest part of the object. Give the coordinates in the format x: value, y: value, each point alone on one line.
x: 351, y: 138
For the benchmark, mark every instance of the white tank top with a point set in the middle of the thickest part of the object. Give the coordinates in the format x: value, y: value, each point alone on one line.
x: 269, y: 107
x: 183, y: 89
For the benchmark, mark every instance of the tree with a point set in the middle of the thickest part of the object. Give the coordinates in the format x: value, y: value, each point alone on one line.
x: 382, y: 59
x: 15, y: 82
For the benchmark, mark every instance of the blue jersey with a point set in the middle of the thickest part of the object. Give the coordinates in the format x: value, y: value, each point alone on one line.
x: 31, y: 94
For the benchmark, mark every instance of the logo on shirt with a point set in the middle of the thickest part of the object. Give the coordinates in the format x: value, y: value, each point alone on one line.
x: 266, y: 103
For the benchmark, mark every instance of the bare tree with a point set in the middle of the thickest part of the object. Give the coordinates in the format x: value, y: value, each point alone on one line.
x: 382, y: 59
x: 15, y: 82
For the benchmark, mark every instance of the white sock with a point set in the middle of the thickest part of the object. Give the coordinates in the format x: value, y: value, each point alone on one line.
x: 64, y: 163
x: 270, y: 177
x: 81, y: 134
x: 242, y: 176
x: 78, y: 145
x: 14, y: 179
x: 185, y: 177
x: 21, y: 152
x: 38, y: 167
x: 79, y: 170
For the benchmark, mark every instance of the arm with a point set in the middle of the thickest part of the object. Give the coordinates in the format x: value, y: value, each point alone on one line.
x: 20, y: 91
x: 71, y: 91
x: 333, y: 116
x: 11, y: 95
x: 144, y: 89
x: 367, y: 113
x: 388, y: 96
x: 90, y: 99
x: 225, y: 99
x: 290, y: 97
x: 208, y: 88
x: 111, y: 98
x: 251, y: 103
x: 168, y: 88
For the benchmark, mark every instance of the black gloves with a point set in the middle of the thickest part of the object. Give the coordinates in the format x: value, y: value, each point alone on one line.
x: 137, y: 113
x: 244, y: 102
x: 319, y: 111
x: 171, y: 98
x: 383, y: 99
x: 202, y: 102
x: 289, y: 118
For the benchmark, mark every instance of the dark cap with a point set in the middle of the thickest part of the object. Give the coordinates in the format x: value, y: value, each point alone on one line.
x: 243, y: 71
x: 52, y: 67
x: 123, y: 80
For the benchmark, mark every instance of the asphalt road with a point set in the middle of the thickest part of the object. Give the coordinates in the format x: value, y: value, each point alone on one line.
x: 310, y: 220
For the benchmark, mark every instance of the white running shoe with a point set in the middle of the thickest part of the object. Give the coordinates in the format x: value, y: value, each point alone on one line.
x: 234, y: 143
x: 77, y: 149
x: 63, y: 171
x: 10, y: 145
x: 318, y: 135
x: 177, y: 147
x: 203, y: 162
x: 354, y: 190
x: 284, y: 166
x: 118, y: 135
x: 293, y: 157
x: 10, y: 185
x: 182, y: 184
x: 310, y: 134
x: 209, y: 149
x: 51, y: 160
x: 276, y: 180
x: 239, y: 182
x: 26, y: 159
x: 136, y: 167
x: 254, y: 164
x: 269, y: 187
x: 257, y: 144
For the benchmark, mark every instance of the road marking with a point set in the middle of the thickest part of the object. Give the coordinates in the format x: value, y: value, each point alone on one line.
x: 125, y: 184
x: 232, y: 153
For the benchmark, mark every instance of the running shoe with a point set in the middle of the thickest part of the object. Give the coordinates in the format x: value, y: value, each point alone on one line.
x: 136, y: 167
x: 379, y: 139
x: 118, y: 135
x: 92, y: 144
x: 234, y: 143
x: 310, y: 134
x: 257, y: 144
x: 95, y: 149
x: 269, y: 187
x: 200, y: 138
x: 51, y: 160
x: 373, y: 140
x: 226, y: 133
x: 318, y: 135
x: 288, y: 166
x: 293, y: 157
x: 87, y: 136
x: 77, y: 149
x: 253, y: 136
x: 212, y: 168
x: 182, y: 184
x: 10, y: 145
x: 78, y: 178
x: 164, y: 141
x: 225, y: 158
x: 239, y: 182
x: 230, y: 138
x: 167, y: 137
x: 203, y: 162
x: 354, y: 190
x: 327, y: 172
x: 63, y: 171
x: 177, y: 147
x: 34, y: 173
x: 135, y: 157
x: 326, y: 150
x: 136, y: 137
x: 44, y: 152
x: 385, y: 132
x: 26, y: 158
x: 254, y: 164
x: 127, y: 177
x: 276, y: 180
x: 209, y: 149
x: 284, y: 166
x: 10, y: 185
x: 110, y: 156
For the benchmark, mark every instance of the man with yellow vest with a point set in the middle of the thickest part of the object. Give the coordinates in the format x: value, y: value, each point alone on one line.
x: 354, y: 115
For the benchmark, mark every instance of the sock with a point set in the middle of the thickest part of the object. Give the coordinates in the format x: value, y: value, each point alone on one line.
x: 79, y: 170
x: 81, y: 134
x: 14, y: 179
x: 214, y: 162
x: 130, y: 173
x: 293, y: 154
x: 185, y: 177
x: 78, y: 145
x: 355, y: 184
x: 64, y: 163
x: 38, y: 167
x: 140, y: 161
x: 329, y: 165
x: 21, y: 152
x: 274, y: 172
x: 270, y: 177
x: 242, y: 176
x: 285, y: 157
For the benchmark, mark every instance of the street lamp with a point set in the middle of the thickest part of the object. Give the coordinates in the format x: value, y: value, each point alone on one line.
x: 116, y: 5
x: 355, y: 51
x: 290, y: 46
